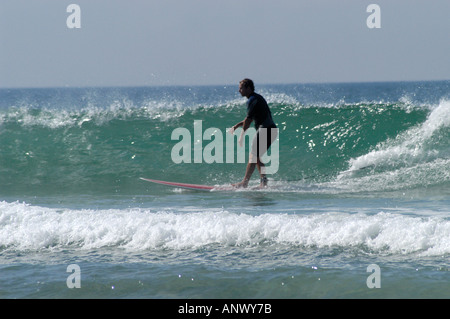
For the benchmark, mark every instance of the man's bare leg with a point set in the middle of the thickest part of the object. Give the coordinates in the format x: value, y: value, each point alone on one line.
x: 248, y: 173
x: 263, y: 178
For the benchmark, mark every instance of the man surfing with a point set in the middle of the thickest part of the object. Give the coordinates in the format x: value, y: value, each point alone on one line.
x: 266, y: 133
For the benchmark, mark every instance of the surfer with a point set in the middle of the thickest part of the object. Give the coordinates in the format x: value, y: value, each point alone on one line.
x: 258, y: 111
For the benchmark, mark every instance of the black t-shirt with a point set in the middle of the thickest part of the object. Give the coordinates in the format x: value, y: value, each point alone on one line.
x: 258, y: 110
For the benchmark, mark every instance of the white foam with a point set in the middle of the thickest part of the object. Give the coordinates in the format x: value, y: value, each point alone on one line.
x: 409, y: 147
x: 25, y: 227
x: 53, y: 118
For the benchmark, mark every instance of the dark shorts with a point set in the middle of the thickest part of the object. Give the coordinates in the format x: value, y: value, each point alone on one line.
x: 262, y: 140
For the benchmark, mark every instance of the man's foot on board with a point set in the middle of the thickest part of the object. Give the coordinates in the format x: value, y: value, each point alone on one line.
x: 242, y: 184
x: 263, y: 183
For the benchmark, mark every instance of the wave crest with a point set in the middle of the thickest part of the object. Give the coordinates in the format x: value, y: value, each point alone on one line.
x: 25, y: 227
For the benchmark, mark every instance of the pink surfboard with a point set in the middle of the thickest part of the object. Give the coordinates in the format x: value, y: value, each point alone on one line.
x: 187, y: 186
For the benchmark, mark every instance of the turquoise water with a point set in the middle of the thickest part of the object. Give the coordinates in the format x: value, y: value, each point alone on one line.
x: 363, y: 179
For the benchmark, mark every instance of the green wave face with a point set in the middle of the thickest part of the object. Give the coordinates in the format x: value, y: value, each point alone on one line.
x: 103, y: 143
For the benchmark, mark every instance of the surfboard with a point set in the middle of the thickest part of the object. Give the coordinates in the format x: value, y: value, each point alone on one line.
x: 198, y: 187
x: 185, y: 185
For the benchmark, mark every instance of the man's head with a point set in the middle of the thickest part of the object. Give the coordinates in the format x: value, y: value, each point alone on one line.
x: 246, y: 87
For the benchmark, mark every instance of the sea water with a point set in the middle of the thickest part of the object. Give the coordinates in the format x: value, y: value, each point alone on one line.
x: 358, y: 208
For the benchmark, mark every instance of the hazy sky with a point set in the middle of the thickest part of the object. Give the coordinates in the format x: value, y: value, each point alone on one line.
x: 201, y: 42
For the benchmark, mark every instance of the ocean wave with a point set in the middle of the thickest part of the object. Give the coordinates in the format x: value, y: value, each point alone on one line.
x: 96, y: 143
x: 417, y: 157
x: 102, y: 107
x: 30, y: 228
x: 415, y: 144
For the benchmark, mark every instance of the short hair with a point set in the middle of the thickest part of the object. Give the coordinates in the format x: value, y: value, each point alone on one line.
x: 248, y: 84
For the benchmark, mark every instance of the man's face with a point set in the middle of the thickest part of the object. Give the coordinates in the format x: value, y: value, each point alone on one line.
x: 245, y: 91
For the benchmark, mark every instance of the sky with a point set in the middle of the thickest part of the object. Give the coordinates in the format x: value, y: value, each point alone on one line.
x: 215, y: 42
